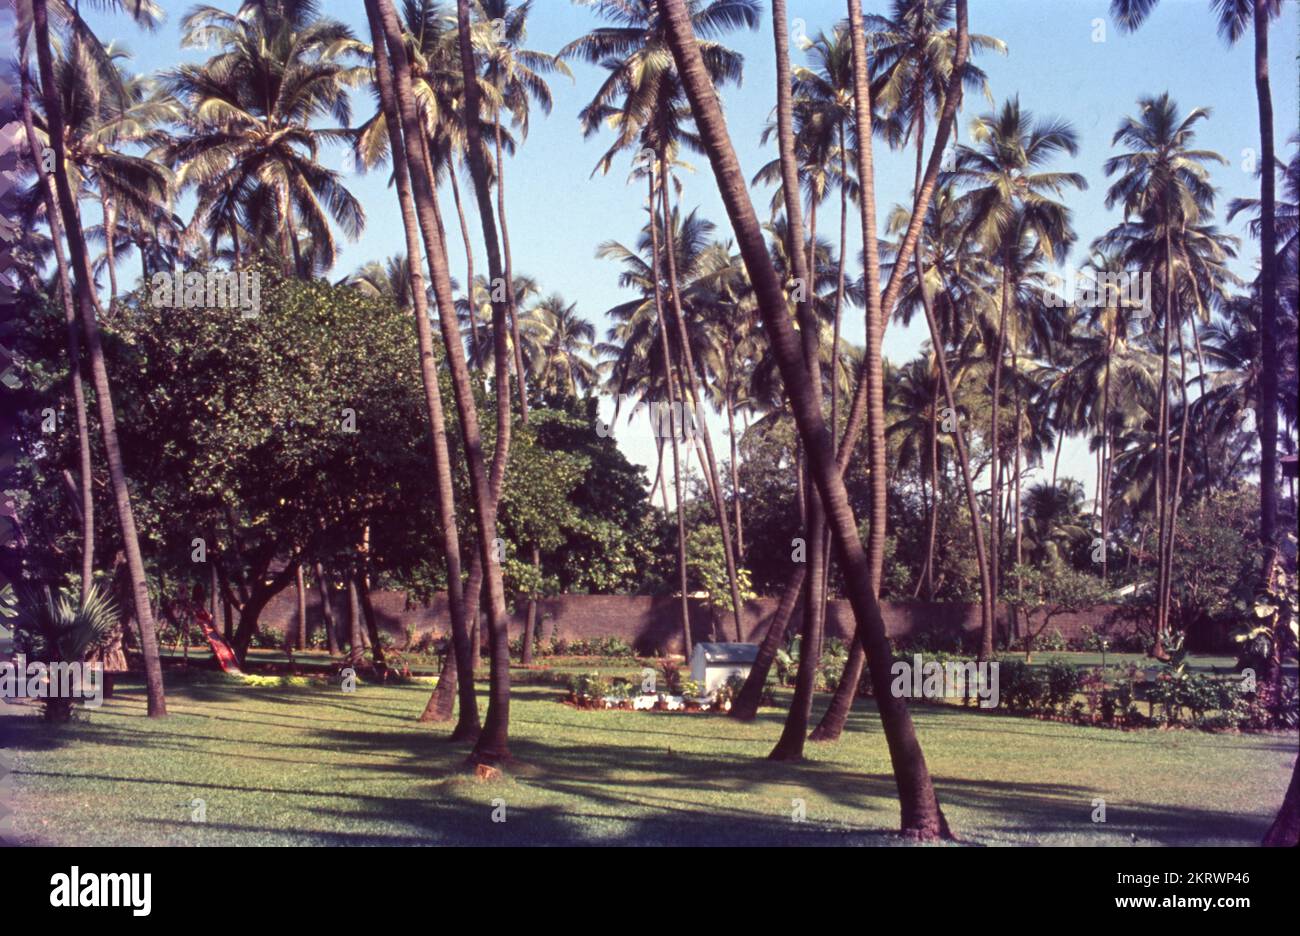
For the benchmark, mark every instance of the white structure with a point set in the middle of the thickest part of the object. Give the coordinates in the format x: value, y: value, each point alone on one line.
x: 712, y: 664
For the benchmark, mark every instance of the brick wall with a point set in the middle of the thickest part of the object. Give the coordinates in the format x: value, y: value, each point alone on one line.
x: 650, y: 623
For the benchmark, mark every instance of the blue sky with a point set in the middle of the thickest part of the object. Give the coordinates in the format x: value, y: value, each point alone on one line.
x: 1065, y: 59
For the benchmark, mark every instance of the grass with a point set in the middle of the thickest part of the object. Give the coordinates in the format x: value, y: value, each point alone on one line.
x: 281, y: 765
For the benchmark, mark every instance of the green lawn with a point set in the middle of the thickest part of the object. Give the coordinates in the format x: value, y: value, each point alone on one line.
x: 312, y: 765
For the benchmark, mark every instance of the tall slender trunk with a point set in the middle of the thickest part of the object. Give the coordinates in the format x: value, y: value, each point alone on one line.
x: 731, y: 437
x: 84, y: 466
x: 920, y: 813
x: 492, y: 745
x: 857, y: 410
x: 1267, y: 403
x: 1176, y: 489
x: 666, y: 351
x: 110, y: 249
x: 510, y: 277
x: 1268, y: 376
x: 691, y: 397
x: 1111, y: 334
x: 995, y: 469
x: 157, y: 702
x: 469, y: 256
x: 934, y: 492
x: 467, y: 727
x: 1163, y: 474
x: 790, y: 745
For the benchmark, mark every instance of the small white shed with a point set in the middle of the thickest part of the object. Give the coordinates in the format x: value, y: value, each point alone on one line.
x: 712, y: 664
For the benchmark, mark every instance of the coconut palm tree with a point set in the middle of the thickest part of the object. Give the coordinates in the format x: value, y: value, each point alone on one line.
x: 567, y: 340
x: 921, y: 815
x: 642, y: 100
x: 80, y: 263
x: 252, y: 142
x: 1010, y: 212
x: 492, y: 745
x: 49, y: 197
x: 1164, y: 182
x: 106, y: 115
x: 516, y: 76
x: 1234, y: 18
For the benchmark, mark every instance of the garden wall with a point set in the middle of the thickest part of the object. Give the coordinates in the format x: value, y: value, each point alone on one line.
x: 650, y: 623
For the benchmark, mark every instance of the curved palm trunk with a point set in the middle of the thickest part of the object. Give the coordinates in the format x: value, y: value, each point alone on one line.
x: 85, y: 468
x: 461, y: 669
x: 857, y: 410
x: 492, y: 742
x: 157, y: 704
x: 666, y: 351
x: 920, y: 813
x: 691, y: 396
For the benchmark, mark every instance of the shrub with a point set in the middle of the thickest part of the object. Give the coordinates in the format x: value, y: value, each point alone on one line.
x: 1063, y: 681
x: 588, y: 689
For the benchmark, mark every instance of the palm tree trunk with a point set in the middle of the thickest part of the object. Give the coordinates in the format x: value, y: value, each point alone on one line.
x: 790, y: 745
x: 1267, y: 404
x: 1268, y: 287
x: 1177, y: 480
x: 857, y: 410
x: 1162, y: 476
x: 691, y: 396
x: 510, y: 280
x: 995, y: 469
x: 469, y: 254
x: 934, y: 494
x: 1285, y: 830
x: 1105, y: 455
x: 110, y: 250
x: 491, y: 746
x: 157, y: 704
x: 468, y: 726
x: 735, y: 465
x: 86, y: 472
x: 666, y: 352
x: 920, y: 813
